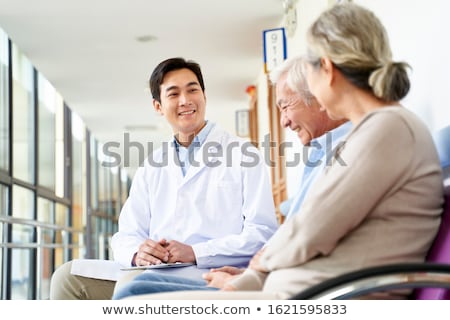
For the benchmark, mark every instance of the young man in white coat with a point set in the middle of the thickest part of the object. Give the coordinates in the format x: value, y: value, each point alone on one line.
x: 204, y: 197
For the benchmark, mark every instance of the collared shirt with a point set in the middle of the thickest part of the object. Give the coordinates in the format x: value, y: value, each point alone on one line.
x: 225, y: 212
x: 186, y: 154
x: 321, y: 152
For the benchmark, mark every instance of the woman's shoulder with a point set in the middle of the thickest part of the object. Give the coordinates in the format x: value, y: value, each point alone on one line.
x: 395, y: 125
x: 393, y: 118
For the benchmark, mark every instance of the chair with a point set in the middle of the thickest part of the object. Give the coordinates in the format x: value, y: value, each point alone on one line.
x: 439, y: 253
x: 430, y: 280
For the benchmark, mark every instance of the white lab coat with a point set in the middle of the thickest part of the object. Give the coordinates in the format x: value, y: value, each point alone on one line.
x: 223, y: 209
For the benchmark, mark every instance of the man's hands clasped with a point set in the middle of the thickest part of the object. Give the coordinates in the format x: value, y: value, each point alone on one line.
x: 163, y: 251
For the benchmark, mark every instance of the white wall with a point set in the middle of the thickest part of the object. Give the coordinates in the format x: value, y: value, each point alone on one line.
x: 418, y: 35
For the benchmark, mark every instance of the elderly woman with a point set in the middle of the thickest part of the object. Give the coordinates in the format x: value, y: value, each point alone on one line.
x: 380, y: 200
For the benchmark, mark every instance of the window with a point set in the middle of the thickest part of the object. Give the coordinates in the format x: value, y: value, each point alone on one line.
x: 46, y: 236
x: 124, y: 186
x: 22, y: 264
x: 3, y: 213
x: 94, y: 171
x: 79, y: 178
x: 44, y: 166
x: 4, y: 102
x: 23, y: 117
x: 61, y: 238
x: 51, y: 156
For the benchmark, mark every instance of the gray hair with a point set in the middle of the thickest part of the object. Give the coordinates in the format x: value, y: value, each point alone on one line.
x: 354, y: 39
x: 295, y: 79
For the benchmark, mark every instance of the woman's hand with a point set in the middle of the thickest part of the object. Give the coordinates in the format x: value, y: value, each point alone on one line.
x: 255, y: 262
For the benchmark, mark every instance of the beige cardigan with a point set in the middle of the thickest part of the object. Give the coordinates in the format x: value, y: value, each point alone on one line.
x: 382, y: 207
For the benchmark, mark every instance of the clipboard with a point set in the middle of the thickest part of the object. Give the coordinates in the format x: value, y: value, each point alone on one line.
x: 161, y: 266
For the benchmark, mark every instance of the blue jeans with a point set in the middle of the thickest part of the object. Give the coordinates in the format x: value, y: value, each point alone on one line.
x: 157, y: 282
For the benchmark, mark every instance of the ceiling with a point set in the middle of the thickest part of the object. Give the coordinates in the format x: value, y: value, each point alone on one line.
x: 97, y: 55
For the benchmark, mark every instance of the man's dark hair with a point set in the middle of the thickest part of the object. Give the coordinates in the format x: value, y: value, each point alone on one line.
x: 170, y: 65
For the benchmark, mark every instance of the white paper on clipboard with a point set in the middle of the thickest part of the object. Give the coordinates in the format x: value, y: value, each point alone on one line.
x: 160, y: 266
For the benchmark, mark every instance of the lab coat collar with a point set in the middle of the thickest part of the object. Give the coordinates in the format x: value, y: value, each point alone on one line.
x: 212, y: 143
